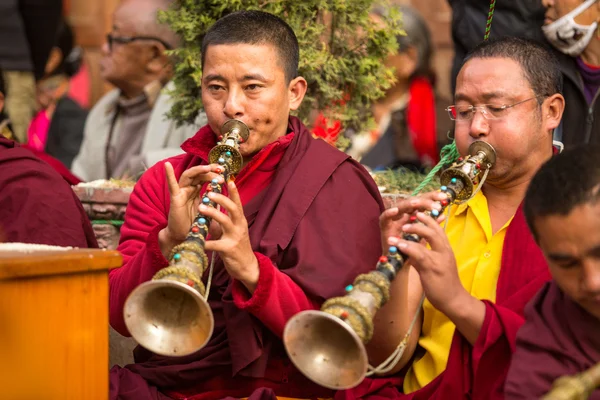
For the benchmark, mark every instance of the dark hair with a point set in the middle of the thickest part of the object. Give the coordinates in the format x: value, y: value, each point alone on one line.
x: 540, y: 66
x: 71, y: 55
x: 568, y: 180
x: 256, y: 27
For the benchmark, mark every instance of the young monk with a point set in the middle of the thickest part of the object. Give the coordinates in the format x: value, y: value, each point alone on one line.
x: 480, y: 271
x: 561, y: 335
x: 301, y: 224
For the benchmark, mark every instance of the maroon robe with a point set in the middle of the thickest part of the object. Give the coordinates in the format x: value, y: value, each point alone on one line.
x: 478, y: 372
x: 314, y: 228
x: 558, y: 338
x: 36, y: 204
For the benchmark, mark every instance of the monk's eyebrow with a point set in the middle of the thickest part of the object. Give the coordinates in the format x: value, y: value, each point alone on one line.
x: 486, y: 96
x: 254, y: 77
x: 560, y: 257
x: 213, y: 77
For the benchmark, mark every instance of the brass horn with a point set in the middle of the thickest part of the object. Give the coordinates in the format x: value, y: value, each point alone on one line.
x: 169, y: 315
x: 575, y: 387
x: 328, y: 346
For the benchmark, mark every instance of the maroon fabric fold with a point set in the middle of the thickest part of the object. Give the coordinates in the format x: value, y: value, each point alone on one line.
x: 36, y: 204
x: 317, y: 223
x: 559, y: 338
x: 479, y: 371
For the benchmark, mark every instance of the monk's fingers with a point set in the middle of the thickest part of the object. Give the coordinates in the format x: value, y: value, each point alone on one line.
x: 390, y: 216
x: 430, y: 201
x: 417, y: 253
x: 235, y: 212
x: 215, y: 231
x: 216, y: 216
x: 198, y: 175
x: 234, y: 195
x: 171, y: 179
x: 429, y: 230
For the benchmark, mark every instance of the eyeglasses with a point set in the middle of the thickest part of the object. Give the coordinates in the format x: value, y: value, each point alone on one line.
x: 110, y: 39
x: 489, y: 111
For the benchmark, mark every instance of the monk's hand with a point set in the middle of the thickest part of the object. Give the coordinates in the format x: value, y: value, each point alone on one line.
x: 184, y: 202
x: 233, y: 244
x: 393, y: 219
x: 436, y: 265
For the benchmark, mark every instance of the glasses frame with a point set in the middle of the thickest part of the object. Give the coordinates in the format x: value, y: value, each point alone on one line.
x: 110, y: 39
x: 473, y: 109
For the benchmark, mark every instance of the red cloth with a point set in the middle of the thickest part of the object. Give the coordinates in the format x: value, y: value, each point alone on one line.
x: 558, y: 338
x: 36, y: 204
x: 56, y: 165
x: 479, y: 371
x: 314, y: 227
x: 421, y: 120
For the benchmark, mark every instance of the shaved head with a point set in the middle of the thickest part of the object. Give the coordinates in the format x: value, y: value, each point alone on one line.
x: 141, y: 17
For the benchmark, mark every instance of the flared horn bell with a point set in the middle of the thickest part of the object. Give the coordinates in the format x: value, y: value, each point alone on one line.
x: 168, y: 318
x: 325, y: 349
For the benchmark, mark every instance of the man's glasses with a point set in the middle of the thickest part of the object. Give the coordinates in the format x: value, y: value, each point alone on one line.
x: 489, y: 111
x: 110, y: 39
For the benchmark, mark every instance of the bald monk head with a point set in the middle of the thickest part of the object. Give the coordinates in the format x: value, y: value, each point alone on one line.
x: 134, y: 51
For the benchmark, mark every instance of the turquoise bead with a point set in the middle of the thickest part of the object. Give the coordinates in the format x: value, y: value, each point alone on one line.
x: 202, y: 221
x: 349, y: 288
x: 205, y: 200
x: 453, y: 180
x: 177, y: 257
x: 393, y: 249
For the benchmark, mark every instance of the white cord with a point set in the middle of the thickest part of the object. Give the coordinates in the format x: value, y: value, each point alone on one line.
x: 212, y: 267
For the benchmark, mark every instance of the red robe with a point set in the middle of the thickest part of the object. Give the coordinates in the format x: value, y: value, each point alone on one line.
x: 313, y: 223
x: 479, y: 371
x: 559, y: 338
x: 36, y: 204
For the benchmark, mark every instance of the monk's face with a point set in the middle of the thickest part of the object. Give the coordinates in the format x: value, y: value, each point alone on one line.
x: 247, y: 82
x: 571, y: 245
x: 520, y: 134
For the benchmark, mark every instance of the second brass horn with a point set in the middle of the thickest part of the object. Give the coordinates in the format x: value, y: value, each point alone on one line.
x: 328, y: 346
x: 169, y: 315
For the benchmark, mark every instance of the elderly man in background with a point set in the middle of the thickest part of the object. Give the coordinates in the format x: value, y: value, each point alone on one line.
x: 127, y: 130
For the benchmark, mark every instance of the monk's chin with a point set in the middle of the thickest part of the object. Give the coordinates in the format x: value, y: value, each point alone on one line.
x: 592, y: 306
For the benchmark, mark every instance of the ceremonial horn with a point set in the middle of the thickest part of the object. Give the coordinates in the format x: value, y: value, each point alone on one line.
x: 328, y: 346
x: 169, y: 315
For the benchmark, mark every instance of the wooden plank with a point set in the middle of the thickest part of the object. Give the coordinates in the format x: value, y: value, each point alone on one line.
x: 15, y: 264
x: 54, y: 337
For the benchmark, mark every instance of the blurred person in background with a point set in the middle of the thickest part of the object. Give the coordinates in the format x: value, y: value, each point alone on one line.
x: 27, y: 34
x: 410, y: 128
x: 127, y: 131
x: 36, y: 204
x: 571, y: 27
x: 521, y: 18
x: 57, y: 129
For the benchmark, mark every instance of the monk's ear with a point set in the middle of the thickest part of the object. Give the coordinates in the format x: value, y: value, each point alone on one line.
x: 552, y: 109
x: 296, y: 91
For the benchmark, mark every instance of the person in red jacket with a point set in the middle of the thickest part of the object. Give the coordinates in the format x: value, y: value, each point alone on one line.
x: 301, y: 223
x: 561, y: 331
x: 480, y: 271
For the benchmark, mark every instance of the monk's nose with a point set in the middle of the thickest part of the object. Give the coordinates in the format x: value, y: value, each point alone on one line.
x: 591, y: 277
